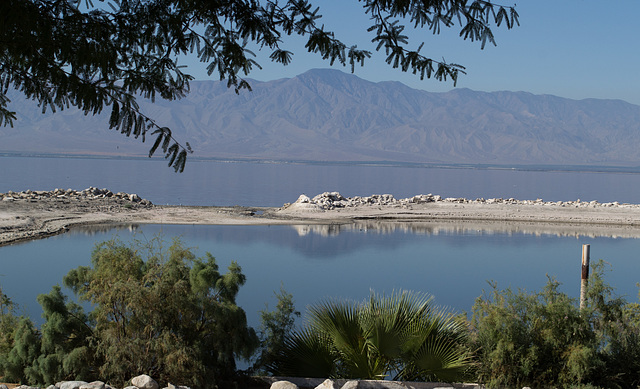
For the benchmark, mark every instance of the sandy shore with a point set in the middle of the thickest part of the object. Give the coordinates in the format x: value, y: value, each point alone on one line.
x: 25, y: 216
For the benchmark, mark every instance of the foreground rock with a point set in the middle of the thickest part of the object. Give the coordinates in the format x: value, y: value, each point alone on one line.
x: 140, y: 382
x: 144, y: 382
x: 318, y: 383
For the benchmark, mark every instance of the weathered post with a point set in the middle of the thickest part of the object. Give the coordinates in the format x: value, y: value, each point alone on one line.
x: 584, y: 279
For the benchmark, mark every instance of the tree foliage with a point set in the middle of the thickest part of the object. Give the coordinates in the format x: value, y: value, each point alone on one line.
x: 543, y: 339
x: 58, y: 351
x: 403, y: 336
x: 275, y: 327
x: 8, y: 322
x: 156, y: 310
x: 64, y: 53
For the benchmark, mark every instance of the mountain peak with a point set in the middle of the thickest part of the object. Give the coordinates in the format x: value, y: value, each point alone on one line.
x: 327, y: 114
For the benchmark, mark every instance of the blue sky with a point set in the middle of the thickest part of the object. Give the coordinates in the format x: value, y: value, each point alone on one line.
x: 570, y: 48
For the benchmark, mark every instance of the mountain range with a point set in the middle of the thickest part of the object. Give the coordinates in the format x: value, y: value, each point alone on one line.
x: 329, y: 115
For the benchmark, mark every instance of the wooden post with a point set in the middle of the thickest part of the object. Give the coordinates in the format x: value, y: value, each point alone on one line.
x: 584, y: 279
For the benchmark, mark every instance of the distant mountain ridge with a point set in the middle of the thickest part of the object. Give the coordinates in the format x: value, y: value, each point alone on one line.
x: 328, y: 115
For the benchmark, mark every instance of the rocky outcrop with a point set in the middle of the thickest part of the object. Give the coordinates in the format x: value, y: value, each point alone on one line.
x: 90, y: 193
x: 305, y: 204
x: 333, y: 200
x: 34, y: 214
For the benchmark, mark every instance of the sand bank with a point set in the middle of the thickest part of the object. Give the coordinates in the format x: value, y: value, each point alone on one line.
x: 33, y: 215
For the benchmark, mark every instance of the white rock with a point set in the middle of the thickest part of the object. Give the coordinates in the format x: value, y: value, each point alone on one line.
x: 144, y: 382
x: 172, y: 386
x: 327, y: 384
x: 304, y: 204
x: 283, y: 385
x: 93, y: 385
x: 71, y: 384
x: 373, y: 384
x: 303, y: 199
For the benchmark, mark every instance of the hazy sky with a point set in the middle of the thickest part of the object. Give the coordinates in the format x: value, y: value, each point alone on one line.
x: 569, y: 48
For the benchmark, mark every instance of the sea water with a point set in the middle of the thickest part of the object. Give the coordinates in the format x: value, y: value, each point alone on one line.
x: 210, y: 182
x: 315, y: 263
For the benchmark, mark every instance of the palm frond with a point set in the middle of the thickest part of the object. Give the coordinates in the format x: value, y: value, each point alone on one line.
x: 403, y: 334
x: 305, y: 354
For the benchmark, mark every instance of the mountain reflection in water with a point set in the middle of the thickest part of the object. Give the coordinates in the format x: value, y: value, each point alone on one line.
x: 451, y: 261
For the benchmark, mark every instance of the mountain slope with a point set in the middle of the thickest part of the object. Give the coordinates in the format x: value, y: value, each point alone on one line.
x: 330, y: 115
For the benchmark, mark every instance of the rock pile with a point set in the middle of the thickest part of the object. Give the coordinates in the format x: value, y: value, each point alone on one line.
x: 90, y: 193
x: 364, y: 384
x: 332, y: 200
x: 139, y: 382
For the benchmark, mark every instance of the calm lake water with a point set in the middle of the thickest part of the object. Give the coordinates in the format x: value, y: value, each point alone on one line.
x: 271, y: 184
x: 314, y: 262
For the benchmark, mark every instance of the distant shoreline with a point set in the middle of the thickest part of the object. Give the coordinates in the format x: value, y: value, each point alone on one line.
x: 618, y: 169
x: 33, y: 215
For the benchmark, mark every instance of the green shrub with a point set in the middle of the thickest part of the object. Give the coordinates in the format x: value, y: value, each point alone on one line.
x: 156, y: 310
x: 8, y: 322
x: 543, y: 339
x: 275, y: 327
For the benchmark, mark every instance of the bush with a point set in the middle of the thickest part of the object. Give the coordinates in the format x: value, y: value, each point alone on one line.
x: 275, y: 327
x: 158, y: 311
x: 8, y: 322
x: 544, y: 340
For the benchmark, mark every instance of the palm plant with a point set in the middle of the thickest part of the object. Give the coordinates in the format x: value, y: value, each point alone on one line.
x: 402, y: 336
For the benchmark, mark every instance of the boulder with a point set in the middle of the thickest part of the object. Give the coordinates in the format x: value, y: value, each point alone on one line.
x: 304, y: 204
x: 372, y: 384
x: 70, y: 384
x: 172, y: 386
x: 283, y: 385
x: 303, y: 199
x: 93, y: 385
x: 144, y: 382
x: 327, y: 384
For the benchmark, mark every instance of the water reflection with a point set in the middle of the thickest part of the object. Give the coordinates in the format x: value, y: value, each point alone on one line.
x: 423, y: 228
x: 329, y: 241
x: 462, y: 227
x: 100, y: 229
x: 451, y: 261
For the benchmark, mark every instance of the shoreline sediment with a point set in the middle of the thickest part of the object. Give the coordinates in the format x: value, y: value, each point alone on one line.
x: 37, y: 214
